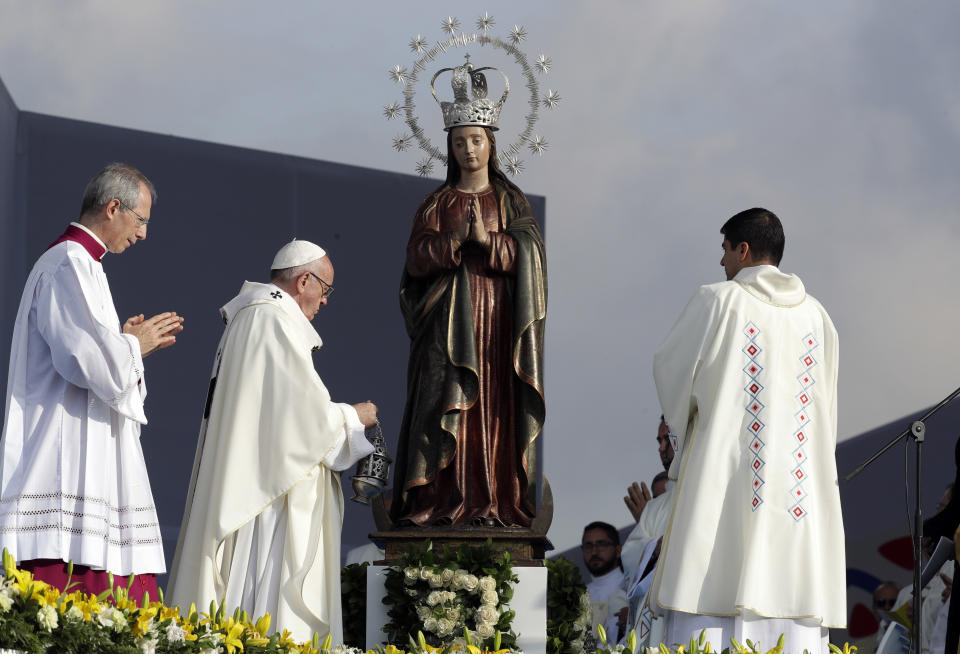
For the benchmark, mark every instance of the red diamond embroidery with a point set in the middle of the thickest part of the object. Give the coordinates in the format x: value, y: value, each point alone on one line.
x: 753, y: 370
x: 756, y: 502
x: 801, y: 437
x: 755, y: 407
x: 804, y: 399
x: 755, y: 427
x: 799, y: 474
x: 756, y: 464
x: 797, y: 511
x: 752, y: 350
x: 808, y: 360
x: 754, y: 388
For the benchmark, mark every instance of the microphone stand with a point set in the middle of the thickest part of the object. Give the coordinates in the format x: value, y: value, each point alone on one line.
x: 917, y: 431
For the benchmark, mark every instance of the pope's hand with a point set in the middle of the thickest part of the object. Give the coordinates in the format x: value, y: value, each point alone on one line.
x: 637, y: 497
x: 154, y: 333
x: 367, y: 412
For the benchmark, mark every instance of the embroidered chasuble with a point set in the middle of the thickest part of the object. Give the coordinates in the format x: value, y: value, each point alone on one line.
x: 73, y: 481
x: 264, y: 509
x: 747, y: 380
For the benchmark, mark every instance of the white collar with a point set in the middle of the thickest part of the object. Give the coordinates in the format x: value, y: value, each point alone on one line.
x: 768, y: 284
x: 257, y: 293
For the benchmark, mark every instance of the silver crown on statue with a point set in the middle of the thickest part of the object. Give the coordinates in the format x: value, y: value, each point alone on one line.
x: 463, y: 111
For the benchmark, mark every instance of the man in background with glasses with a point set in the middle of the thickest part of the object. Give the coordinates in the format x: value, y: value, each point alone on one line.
x: 601, y: 554
x: 74, y: 483
x: 261, y: 528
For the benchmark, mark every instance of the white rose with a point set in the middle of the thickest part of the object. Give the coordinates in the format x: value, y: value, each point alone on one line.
x: 488, y: 583
x: 436, y: 581
x: 411, y: 576
x: 425, y: 574
x: 423, y: 612
x: 175, y: 634
x: 470, y: 583
x: 6, y: 599
x: 433, y: 598
x: 74, y: 613
x: 581, y: 623
x: 119, y: 620
x: 47, y: 617
x: 148, y: 646
x: 489, y: 597
x: 105, y: 617
x: 430, y: 624
x: 454, y: 613
x: 485, y: 630
x: 448, y: 595
x: 585, y: 602
x: 457, y: 582
x: 447, y: 576
x: 487, y: 614
x: 445, y: 627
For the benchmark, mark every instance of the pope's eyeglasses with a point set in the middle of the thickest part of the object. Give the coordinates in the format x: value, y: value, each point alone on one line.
x: 327, y: 289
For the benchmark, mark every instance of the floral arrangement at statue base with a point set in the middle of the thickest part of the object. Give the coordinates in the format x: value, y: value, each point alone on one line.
x: 36, y: 618
x: 454, y: 598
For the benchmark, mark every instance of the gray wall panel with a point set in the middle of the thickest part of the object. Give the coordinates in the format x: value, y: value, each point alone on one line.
x: 12, y: 271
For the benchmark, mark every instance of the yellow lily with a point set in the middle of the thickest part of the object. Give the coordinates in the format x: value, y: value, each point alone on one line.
x: 263, y: 624
x: 232, y: 639
x: 142, y: 624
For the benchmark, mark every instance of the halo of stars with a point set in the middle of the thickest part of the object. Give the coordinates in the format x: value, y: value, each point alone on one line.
x: 407, y: 77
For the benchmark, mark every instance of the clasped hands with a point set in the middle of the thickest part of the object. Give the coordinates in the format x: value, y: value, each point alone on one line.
x: 472, y: 228
x: 154, y: 333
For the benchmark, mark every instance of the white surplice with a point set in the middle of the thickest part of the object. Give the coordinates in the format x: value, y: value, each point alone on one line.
x: 74, y: 482
x: 264, y: 511
x: 747, y: 379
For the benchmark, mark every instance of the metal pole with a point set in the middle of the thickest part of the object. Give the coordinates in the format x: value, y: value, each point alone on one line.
x: 917, y: 430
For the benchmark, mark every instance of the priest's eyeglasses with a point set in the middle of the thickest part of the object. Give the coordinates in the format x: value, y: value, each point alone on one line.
x: 327, y: 289
x: 140, y: 219
x: 599, y: 545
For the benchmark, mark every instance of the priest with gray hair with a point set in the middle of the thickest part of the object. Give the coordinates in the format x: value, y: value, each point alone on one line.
x: 261, y: 527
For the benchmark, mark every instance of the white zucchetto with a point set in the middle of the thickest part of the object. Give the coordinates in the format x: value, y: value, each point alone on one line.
x: 297, y: 253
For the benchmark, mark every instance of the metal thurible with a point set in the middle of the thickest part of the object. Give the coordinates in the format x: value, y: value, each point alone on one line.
x: 373, y: 470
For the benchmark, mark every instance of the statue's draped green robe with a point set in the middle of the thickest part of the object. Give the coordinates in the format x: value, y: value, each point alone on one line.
x: 466, y: 451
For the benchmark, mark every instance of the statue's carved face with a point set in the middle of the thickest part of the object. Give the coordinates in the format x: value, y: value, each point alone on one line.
x: 471, y: 148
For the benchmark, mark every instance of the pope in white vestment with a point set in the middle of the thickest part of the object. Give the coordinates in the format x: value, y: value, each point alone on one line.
x: 264, y: 511
x: 747, y: 380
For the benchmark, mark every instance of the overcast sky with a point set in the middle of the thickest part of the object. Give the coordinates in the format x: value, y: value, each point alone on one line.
x: 841, y: 117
